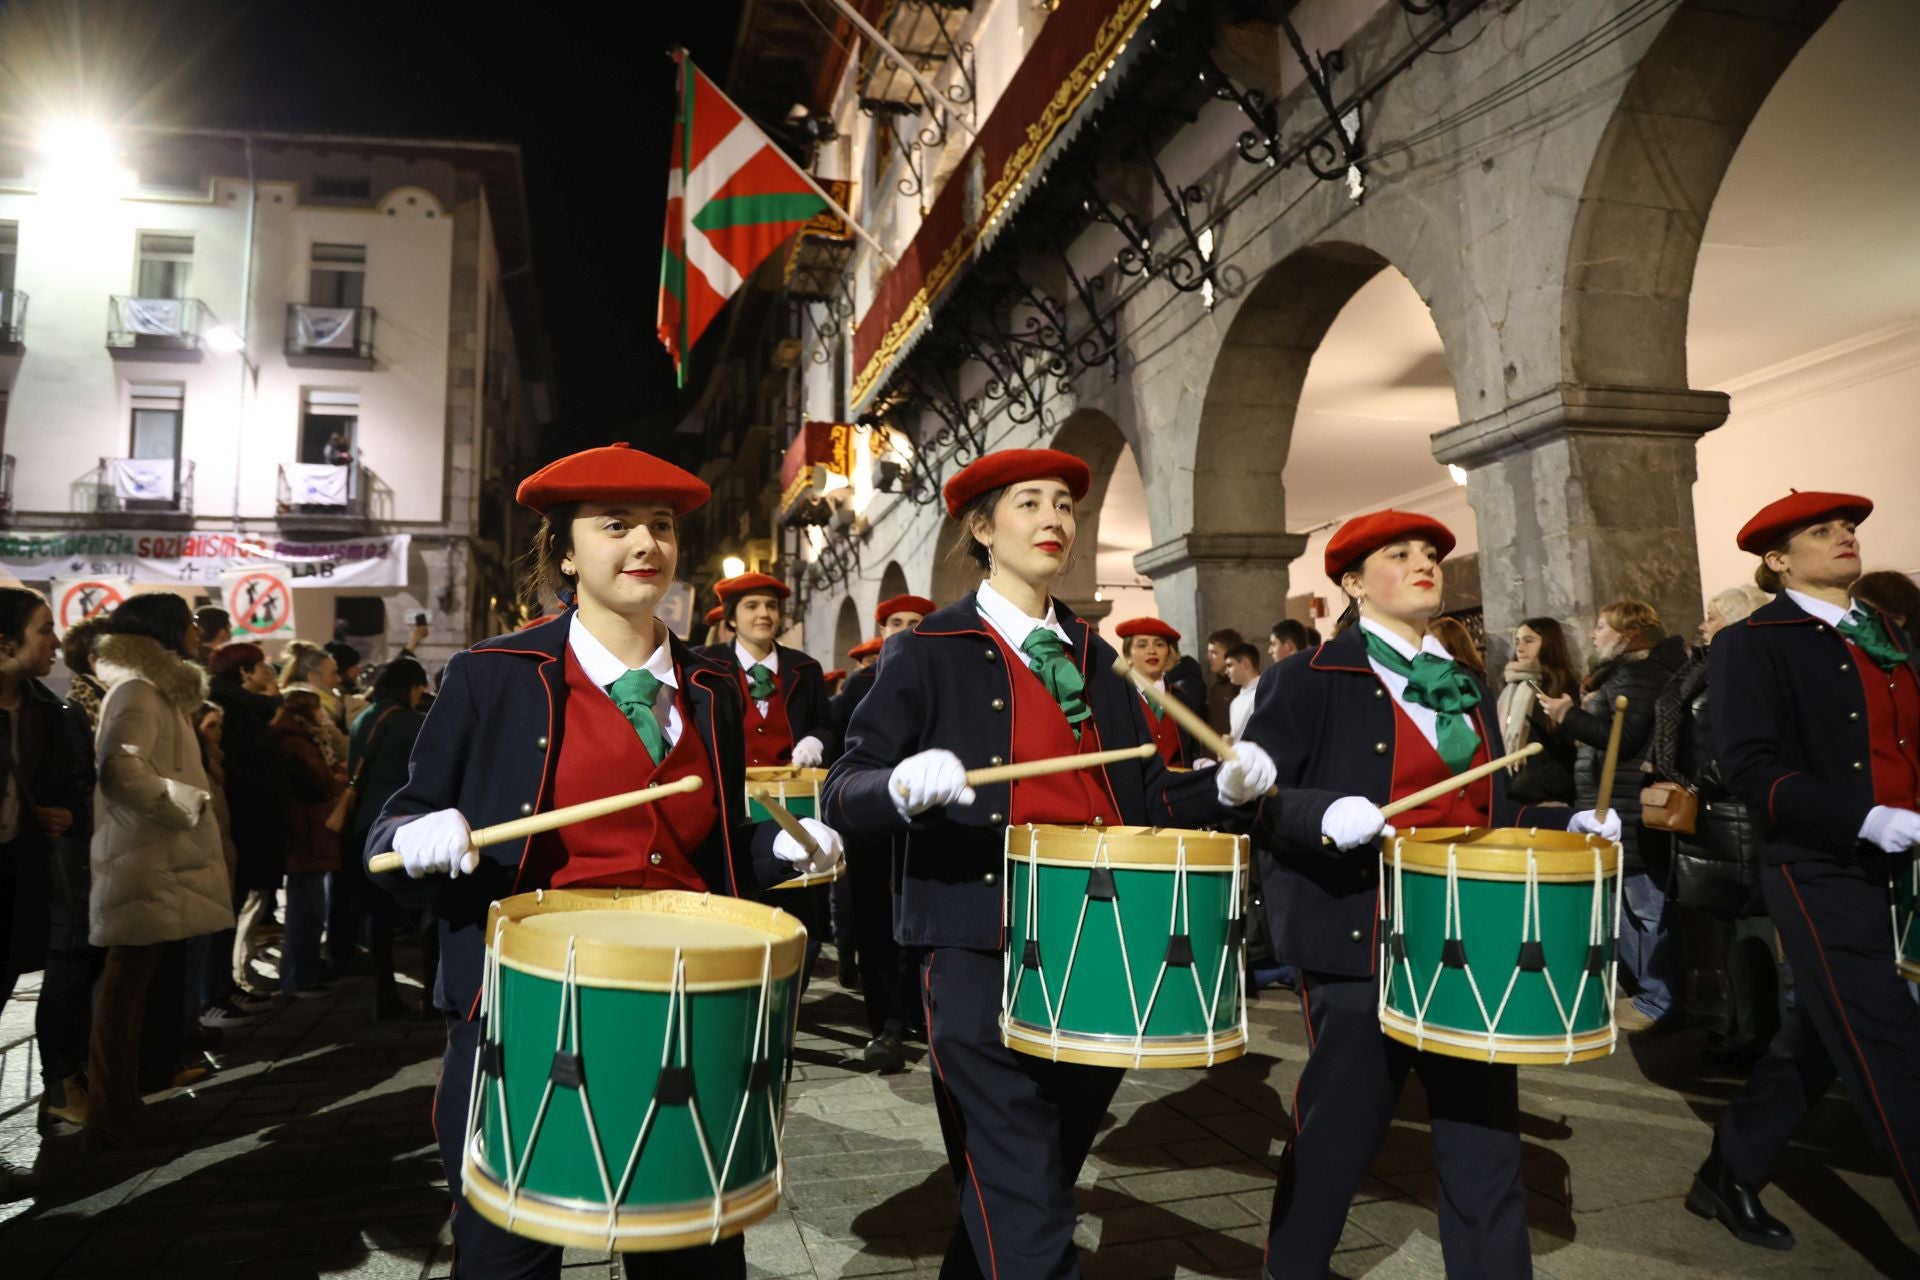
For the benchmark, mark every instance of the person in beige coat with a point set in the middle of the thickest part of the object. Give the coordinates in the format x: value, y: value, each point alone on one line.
x: 159, y: 871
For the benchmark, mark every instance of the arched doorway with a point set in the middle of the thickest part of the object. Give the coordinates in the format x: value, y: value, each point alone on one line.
x: 893, y: 582
x: 1110, y: 526
x: 954, y: 572
x: 847, y: 632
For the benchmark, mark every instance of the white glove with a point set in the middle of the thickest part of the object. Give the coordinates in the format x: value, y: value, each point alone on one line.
x: 1893, y: 830
x: 1247, y: 776
x: 1586, y: 823
x: 439, y: 842
x: 809, y: 752
x: 1352, y: 821
x: 1206, y: 762
x: 789, y: 850
x: 927, y: 781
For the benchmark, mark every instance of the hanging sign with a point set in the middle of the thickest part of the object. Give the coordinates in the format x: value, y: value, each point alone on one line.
x: 176, y: 559
x: 77, y: 599
x: 260, y: 602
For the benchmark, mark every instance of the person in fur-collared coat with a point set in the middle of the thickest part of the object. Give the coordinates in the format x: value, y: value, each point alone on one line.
x: 159, y: 872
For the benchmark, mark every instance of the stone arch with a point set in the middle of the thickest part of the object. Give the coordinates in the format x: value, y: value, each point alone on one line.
x: 1642, y: 213
x: 1095, y: 439
x: 847, y: 632
x: 954, y: 574
x: 893, y: 582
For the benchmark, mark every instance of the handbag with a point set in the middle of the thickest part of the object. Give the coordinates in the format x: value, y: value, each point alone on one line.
x: 349, y: 799
x: 1669, y: 806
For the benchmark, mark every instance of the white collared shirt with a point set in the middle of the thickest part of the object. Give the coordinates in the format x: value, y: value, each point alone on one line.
x: 1240, y: 711
x: 748, y: 662
x: 1831, y: 614
x: 601, y: 667
x: 1013, y: 625
x: 1425, y: 719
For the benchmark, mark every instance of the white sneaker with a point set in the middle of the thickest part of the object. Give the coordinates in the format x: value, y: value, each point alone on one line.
x: 224, y: 1013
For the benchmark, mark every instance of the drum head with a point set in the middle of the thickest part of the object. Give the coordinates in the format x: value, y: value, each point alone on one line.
x: 633, y: 939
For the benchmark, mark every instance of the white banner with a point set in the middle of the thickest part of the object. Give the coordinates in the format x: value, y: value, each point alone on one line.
x: 197, y: 559
x: 142, y: 479
x: 260, y: 602
x: 325, y: 328
x: 318, y: 484
x: 77, y: 598
x: 159, y: 317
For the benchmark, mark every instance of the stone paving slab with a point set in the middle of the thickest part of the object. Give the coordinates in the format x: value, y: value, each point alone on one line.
x: 310, y: 1156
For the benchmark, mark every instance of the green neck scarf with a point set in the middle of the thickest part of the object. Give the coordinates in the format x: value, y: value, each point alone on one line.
x: 1442, y: 687
x: 634, y: 693
x: 1870, y: 634
x: 1054, y: 665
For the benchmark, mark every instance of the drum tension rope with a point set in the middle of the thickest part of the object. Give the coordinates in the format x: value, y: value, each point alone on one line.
x: 490, y: 1064
x: 1100, y: 884
x: 569, y: 1070
x: 1453, y: 954
x: 1533, y: 957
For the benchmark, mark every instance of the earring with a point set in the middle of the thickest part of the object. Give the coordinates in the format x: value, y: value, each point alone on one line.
x: 990, y: 569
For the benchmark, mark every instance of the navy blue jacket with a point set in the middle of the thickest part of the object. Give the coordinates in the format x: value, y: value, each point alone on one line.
x: 944, y: 685
x: 804, y: 686
x: 857, y: 687
x: 1328, y: 722
x: 489, y: 748
x: 1187, y: 682
x: 1790, y: 718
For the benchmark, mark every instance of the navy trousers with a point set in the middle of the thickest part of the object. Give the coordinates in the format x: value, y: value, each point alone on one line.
x: 482, y: 1251
x: 1854, y: 1020
x: 1341, y: 1112
x: 1017, y: 1127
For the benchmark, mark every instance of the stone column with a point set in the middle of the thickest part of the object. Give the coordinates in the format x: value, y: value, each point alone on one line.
x: 1205, y: 581
x: 1585, y: 495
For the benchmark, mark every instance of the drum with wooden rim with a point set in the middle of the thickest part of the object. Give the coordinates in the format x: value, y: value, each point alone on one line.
x: 630, y: 1085
x: 797, y: 791
x: 1499, y: 943
x: 1125, y: 945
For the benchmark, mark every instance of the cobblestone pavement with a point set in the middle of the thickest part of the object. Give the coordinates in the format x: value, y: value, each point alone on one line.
x: 310, y: 1156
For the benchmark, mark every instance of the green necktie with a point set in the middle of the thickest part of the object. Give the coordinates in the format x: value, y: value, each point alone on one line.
x: 1054, y: 666
x: 633, y: 693
x: 1867, y: 631
x: 759, y: 683
x: 1442, y: 687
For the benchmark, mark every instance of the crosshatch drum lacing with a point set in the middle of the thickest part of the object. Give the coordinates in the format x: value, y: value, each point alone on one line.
x: 1125, y: 945
x: 1499, y: 943
x: 629, y: 1090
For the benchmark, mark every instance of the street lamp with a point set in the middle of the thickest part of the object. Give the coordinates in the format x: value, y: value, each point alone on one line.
x: 733, y: 567
x: 81, y: 159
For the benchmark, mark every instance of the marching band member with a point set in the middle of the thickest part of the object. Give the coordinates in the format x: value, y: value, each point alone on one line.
x: 719, y: 634
x: 787, y: 715
x: 1816, y: 711
x: 1376, y: 713
x: 1005, y: 674
x: 601, y: 700
x: 1153, y: 647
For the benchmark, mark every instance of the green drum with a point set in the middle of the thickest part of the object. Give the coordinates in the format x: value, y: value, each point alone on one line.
x: 795, y: 789
x: 630, y: 1085
x: 1906, y: 934
x: 1500, y: 943
x: 1125, y: 946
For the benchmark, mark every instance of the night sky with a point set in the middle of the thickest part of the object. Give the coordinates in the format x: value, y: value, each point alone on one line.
x: 585, y: 89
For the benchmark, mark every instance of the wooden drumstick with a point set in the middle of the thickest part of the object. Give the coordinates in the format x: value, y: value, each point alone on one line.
x: 787, y: 822
x: 521, y: 828
x: 1408, y: 803
x: 1612, y: 761
x: 1195, y: 726
x: 1057, y: 764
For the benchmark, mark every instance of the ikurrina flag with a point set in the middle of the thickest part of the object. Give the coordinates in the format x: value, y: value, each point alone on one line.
x: 733, y: 197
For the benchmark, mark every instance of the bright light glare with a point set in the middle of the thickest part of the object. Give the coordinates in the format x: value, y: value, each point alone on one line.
x: 222, y: 338
x: 1458, y: 472
x: 80, y: 157
x: 733, y: 566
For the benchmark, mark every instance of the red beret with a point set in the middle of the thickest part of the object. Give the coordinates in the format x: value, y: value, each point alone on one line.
x: 715, y: 614
x: 866, y: 649
x: 831, y: 676
x: 1364, y: 535
x: 1147, y: 627
x: 612, y: 473
x: 1797, y: 510
x: 748, y: 584
x: 1003, y: 467
x: 903, y: 604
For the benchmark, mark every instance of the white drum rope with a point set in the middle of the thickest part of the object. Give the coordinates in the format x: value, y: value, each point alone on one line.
x: 746, y: 1094
x: 1100, y: 853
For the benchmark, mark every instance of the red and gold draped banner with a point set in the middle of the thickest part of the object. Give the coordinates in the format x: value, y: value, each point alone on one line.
x: 832, y: 445
x: 1073, y: 52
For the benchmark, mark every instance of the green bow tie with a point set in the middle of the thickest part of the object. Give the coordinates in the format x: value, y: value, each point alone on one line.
x: 634, y: 693
x: 1442, y: 687
x: 1868, y: 632
x: 1054, y: 665
x: 759, y: 683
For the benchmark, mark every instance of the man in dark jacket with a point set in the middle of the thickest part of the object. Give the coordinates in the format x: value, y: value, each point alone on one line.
x: 257, y: 791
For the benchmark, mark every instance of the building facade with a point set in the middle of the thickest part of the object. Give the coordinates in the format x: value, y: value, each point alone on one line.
x: 309, y: 350
x: 1615, y: 293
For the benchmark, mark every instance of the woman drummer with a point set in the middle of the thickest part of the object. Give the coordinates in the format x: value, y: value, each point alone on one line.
x: 1153, y: 646
x: 788, y: 719
x: 1379, y: 712
x: 601, y: 700
x: 1005, y: 674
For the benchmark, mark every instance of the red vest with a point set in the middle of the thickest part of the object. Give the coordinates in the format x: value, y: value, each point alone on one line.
x: 1166, y: 736
x: 600, y: 755
x: 769, y: 737
x: 1893, y: 730
x: 1417, y: 765
x: 1041, y: 731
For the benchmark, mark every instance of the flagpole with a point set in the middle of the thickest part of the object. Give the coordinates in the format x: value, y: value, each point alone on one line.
x: 680, y: 55
x: 934, y: 101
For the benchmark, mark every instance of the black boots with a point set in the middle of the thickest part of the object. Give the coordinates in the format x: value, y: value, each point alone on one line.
x: 1717, y: 1194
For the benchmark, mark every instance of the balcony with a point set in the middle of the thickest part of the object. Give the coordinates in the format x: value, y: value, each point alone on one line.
x: 6, y: 487
x: 140, y: 486
x: 329, y: 337
x: 322, y: 495
x: 163, y: 329
x: 13, y: 322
